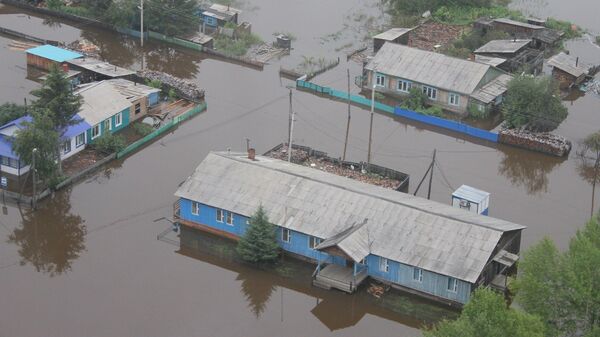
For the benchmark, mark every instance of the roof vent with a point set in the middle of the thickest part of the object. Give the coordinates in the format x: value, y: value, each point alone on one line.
x: 251, y: 154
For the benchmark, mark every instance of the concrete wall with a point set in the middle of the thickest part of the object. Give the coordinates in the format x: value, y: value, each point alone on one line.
x: 432, y: 283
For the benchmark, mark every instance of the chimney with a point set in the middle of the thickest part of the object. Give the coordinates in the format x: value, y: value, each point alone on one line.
x: 577, y: 61
x: 65, y: 67
x: 251, y: 154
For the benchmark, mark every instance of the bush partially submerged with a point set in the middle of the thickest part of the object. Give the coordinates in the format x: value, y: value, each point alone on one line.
x: 110, y: 143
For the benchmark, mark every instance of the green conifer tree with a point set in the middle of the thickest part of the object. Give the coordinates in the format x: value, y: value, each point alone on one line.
x: 259, y: 245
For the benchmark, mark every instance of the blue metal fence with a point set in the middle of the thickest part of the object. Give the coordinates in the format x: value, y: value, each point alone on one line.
x: 412, y: 115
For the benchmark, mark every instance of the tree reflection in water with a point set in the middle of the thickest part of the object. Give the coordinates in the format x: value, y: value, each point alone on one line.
x: 258, y: 290
x: 51, y: 237
x: 528, y: 169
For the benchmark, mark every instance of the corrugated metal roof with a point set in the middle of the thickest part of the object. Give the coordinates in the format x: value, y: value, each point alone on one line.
x: 503, y: 46
x: 490, y: 91
x: 492, y: 61
x: 101, y: 67
x: 53, y: 53
x: 225, y: 9
x: 100, y: 101
x: 517, y: 23
x: 400, y: 227
x: 567, y: 63
x: 130, y: 90
x: 429, y: 68
x: 471, y: 193
x: 392, y: 34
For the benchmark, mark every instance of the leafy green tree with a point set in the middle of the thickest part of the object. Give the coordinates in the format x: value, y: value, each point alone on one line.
x: 172, y: 17
x: 589, y: 163
x: 420, y: 6
x: 259, y: 243
x: 534, y: 103
x: 10, y: 111
x: 487, y: 315
x: 563, y: 288
x: 38, y: 134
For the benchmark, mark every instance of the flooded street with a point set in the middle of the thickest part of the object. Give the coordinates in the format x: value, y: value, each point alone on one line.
x: 88, y: 262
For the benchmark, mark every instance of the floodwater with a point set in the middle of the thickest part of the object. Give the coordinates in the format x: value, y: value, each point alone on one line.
x: 88, y: 262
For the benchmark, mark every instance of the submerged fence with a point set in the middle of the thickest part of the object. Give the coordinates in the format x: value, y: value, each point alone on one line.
x: 164, y: 128
x: 412, y: 115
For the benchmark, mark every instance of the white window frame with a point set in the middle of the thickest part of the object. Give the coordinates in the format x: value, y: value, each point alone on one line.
x: 118, y: 119
x: 64, y: 146
x: 404, y: 86
x: 453, y: 99
x: 286, y: 235
x: 219, y: 215
x: 77, y: 144
x: 195, y: 208
x: 384, y: 266
x: 419, y: 273
x: 452, y: 285
x: 97, y: 129
x: 377, y: 78
x: 229, y: 218
x: 430, y: 92
x: 105, y: 122
x: 313, y: 241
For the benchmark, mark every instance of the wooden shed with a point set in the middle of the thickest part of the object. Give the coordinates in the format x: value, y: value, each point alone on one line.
x: 567, y: 70
x: 394, y: 35
x: 45, y: 56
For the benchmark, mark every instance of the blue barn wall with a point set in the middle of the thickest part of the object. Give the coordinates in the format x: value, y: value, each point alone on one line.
x: 432, y: 283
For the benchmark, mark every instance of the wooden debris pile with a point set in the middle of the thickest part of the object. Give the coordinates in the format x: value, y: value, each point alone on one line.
x: 431, y: 34
x: 537, y: 141
x: 377, y: 289
x: 185, y: 89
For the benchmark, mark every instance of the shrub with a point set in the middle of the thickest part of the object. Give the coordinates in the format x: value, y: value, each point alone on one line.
x: 416, y: 99
x: 570, y: 30
x: 236, y: 47
x: 142, y: 129
x: 474, y: 112
x: 110, y: 143
x: 10, y: 111
x: 55, y: 180
x: 463, y: 15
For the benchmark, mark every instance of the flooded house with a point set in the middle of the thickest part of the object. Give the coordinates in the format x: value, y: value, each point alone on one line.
x: 451, y: 83
x: 109, y: 106
x: 218, y: 15
x: 72, y: 141
x: 516, y: 55
x: 567, y: 70
x: 394, y: 35
x: 542, y: 36
x: 43, y: 57
x: 350, y: 229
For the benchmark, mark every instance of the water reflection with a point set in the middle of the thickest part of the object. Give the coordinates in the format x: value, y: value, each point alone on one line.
x: 115, y: 48
x: 333, y: 309
x: 174, y: 61
x: 50, y: 238
x: 527, y: 169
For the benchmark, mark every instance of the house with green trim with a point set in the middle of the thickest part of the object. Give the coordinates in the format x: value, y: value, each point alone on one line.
x: 111, y: 105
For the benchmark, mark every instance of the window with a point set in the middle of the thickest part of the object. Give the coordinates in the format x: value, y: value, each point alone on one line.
x: 285, y: 235
x: 195, y: 208
x: 80, y: 140
x: 383, y: 265
x: 119, y: 119
x: 313, y: 242
x: 66, y: 147
x: 247, y: 221
x: 452, y: 284
x: 229, y: 219
x: 453, y: 99
x: 96, y: 131
x: 106, y: 125
x: 219, y: 215
x: 430, y: 92
x: 138, y: 108
x: 404, y: 86
x: 10, y: 162
x: 380, y: 80
x: 418, y: 274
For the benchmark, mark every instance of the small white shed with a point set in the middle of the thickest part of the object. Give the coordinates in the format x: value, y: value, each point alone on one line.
x: 471, y: 199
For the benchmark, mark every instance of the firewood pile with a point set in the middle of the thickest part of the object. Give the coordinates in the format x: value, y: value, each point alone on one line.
x: 542, y: 142
x: 377, y: 290
x: 86, y: 47
x: 185, y: 89
x: 326, y: 164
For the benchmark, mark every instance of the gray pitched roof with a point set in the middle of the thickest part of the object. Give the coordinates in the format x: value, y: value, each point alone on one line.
x: 517, y: 23
x: 429, y: 68
x: 392, y: 34
x: 495, y: 88
x: 503, y: 46
x: 567, y: 63
x: 400, y: 227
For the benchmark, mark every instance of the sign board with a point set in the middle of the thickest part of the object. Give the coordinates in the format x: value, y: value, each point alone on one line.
x: 4, y: 182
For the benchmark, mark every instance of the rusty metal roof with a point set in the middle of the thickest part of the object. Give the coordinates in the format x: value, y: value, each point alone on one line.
x: 401, y: 227
x: 567, y: 63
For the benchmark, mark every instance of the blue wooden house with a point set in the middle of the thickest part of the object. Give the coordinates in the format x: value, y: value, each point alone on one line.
x: 351, y: 230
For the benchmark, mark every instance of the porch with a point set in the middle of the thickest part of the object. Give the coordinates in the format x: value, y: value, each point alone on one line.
x: 339, y: 277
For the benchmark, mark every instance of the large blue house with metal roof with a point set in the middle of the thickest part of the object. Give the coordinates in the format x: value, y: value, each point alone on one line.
x: 73, y: 140
x: 352, y: 230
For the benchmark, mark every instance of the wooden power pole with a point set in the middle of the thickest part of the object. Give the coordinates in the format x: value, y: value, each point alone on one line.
x: 348, y: 123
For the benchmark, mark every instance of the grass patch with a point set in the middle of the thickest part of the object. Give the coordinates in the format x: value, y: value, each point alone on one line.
x: 236, y: 47
x: 466, y: 15
x: 571, y: 31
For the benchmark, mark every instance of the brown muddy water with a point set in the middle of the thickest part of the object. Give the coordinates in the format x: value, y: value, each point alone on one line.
x: 88, y: 262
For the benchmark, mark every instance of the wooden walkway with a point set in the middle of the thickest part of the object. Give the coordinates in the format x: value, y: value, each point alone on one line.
x: 339, y: 277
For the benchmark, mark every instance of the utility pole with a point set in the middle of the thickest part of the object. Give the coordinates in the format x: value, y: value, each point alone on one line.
x: 142, y: 23
x: 33, y: 200
x: 291, y: 137
x: 290, y: 119
x: 431, y: 174
x: 371, y: 124
x: 347, y: 124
